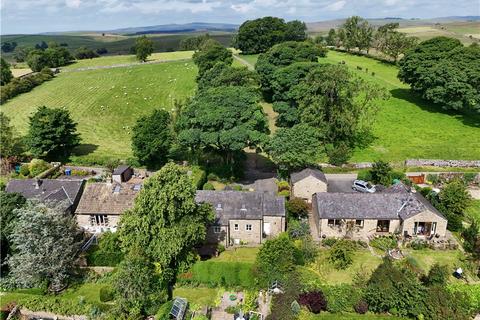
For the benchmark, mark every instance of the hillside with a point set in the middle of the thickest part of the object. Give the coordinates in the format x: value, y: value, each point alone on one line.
x: 178, y: 28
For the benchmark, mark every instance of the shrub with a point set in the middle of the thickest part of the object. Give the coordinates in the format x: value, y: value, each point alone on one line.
x: 442, y: 304
x: 339, y: 155
x: 220, y: 248
x: 25, y: 170
x: 397, y: 175
x: 438, y: 275
x: 315, y: 301
x: 380, y: 172
x: 297, y: 208
x: 341, y: 298
x: 283, y: 185
x: 341, y: 254
x: 470, y: 292
x: 22, y: 85
x: 237, y: 187
x: 106, y: 294
x: 469, y: 177
x: 329, y: 242
x: 361, y: 307
x: 298, y: 229
x: 384, y: 243
x: 418, y: 245
x: 364, y: 175
x: 38, y: 166
x: 433, y: 178
x: 284, y: 193
x: 107, y: 252
x: 208, y: 186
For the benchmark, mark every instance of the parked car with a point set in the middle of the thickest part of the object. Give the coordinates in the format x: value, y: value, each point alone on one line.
x: 363, y: 186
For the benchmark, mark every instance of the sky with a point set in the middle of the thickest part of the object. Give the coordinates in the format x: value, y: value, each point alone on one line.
x: 36, y: 16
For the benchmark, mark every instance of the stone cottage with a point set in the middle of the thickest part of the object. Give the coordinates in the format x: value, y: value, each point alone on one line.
x: 307, y: 182
x: 243, y: 217
x: 361, y: 215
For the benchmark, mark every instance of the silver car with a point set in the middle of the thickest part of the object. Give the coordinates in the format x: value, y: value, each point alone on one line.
x: 363, y: 186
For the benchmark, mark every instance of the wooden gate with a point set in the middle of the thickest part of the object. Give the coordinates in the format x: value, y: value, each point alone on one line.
x: 417, y: 179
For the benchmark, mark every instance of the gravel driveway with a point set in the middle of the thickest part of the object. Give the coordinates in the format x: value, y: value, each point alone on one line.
x: 340, y: 182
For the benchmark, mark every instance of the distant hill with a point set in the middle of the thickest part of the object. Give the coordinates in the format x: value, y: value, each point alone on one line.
x: 323, y: 26
x: 178, y: 28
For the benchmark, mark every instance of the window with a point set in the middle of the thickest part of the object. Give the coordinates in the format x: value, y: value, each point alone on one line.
x: 334, y: 222
x: 248, y: 227
x: 383, y: 225
x: 98, y: 220
x: 359, y: 223
x: 235, y: 226
x: 243, y: 208
x: 219, y: 206
x: 217, y: 229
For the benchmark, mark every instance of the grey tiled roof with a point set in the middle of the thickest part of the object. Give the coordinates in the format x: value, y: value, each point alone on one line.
x: 120, y: 169
x: 238, y: 205
x: 394, y: 203
x: 48, y: 189
x: 300, y: 175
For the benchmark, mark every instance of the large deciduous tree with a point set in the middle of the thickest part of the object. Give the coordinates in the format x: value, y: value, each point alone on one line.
x: 444, y: 72
x: 358, y: 33
x: 51, y: 58
x: 9, y: 142
x: 211, y: 52
x: 222, y: 75
x: 5, y: 72
x: 52, y: 133
x: 152, y: 138
x: 223, y: 119
x: 143, y: 48
x: 166, y: 223
x: 46, y: 242
x: 296, y: 147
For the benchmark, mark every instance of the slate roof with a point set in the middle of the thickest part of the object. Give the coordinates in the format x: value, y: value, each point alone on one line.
x: 392, y: 204
x: 101, y: 198
x: 120, y: 169
x: 47, y: 190
x: 242, y: 205
x: 300, y: 175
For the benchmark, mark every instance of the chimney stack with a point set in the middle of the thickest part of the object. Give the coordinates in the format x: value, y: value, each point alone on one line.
x: 38, y: 183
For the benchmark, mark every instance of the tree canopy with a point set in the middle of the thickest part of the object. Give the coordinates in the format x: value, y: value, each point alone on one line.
x: 259, y: 35
x: 222, y: 75
x: 445, y: 72
x: 165, y: 223
x: 51, y: 57
x: 211, y: 52
x: 52, y: 133
x: 143, y: 48
x: 46, y: 242
x: 85, y: 53
x: 152, y: 137
x: 223, y: 119
x: 5, y: 72
x: 9, y: 142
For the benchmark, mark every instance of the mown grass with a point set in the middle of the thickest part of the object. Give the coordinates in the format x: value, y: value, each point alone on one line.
x: 238, y: 255
x: 473, y: 211
x: 106, y: 103
x: 124, y: 59
x: 200, y: 296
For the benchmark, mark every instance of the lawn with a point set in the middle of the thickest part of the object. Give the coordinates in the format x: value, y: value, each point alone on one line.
x: 106, y: 103
x: 473, y: 211
x: 238, y: 255
x: 125, y: 59
x: 201, y: 296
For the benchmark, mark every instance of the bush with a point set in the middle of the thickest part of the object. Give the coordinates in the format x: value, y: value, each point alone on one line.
x: 442, y: 304
x: 384, y: 243
x: 297, y: 208
x: 220, y: 248
x: 106, y: 294
x: 24, y: 84
x: 341, y: 254
x: 25, y: 170
x: 283, y: 185
x: 397, y: 175
x: 361, y: 307
x: 418, y: 245
x: 208, y: 186
x: 315, y: 301
x: 298, y: 229
x: 454, y: 222
x: 469, y: 177
x: 341, y: 298
x: 470, y: 292
x: 438, y: 275
x: 339, y: 155
x: 364, y: 175
x: 381, y: 172
x: 433, y: 178
x: 329, y: 242
x: 107, y: 252
x: 38, y: 166
x: 284, y: 193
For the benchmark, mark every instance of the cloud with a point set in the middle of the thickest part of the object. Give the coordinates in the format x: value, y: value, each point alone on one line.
x: 242, y: 7
x: 73, y: 3
x: 159, y: 6
x: 336, y: 6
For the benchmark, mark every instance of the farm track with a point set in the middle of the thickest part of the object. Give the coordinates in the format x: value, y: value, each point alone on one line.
x: 245, y: 62
x: 123, y: 65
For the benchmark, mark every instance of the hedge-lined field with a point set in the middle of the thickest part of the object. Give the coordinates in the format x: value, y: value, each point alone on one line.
x: 106, y: 103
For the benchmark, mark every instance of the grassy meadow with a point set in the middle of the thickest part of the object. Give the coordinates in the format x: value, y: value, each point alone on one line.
x: 106, y: 103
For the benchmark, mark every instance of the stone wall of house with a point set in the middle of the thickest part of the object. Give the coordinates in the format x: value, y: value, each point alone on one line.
x: 307, y: 187
x: 220, y: 237
x: 249, y: 237
x: 369, y: 228
x: 442, y: 163
x: 426, y: 216
x: 277, y: 224
x: 83, y: 221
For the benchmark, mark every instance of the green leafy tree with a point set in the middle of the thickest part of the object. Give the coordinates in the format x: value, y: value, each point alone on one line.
x: 51, y: 58
x: 46, y: 242
x: 331, y: 39
x: 211, y: 52
x: 358, y: 33
x: 381, y: 172
x: 143, y: 48
x: 224, y: 119
x: 5, y: 72
x: 454, y: 198
x: 166, y: 223
x: 297, y: 208
x: 259, y: 35
x: 288, y: 114
x: 9, y: 142
x: 295, y: 31
x: 137, y: 287
x: 471, y: 235
x: 222, y: 75
x: 284, y: 79
x: 20, y: 53
x: 437, y: 276
x: 152, y: 138
x: 341, y: 254
x: 441, y: 304
x: 194, y: 43
x: 275, y: 260
x: 85, y: 53
x: 52, y: 133
x: 343, y: 105
x: 296, y: 147
x: 282, y: 55
x: 8, y: 216
x: 444, y: 72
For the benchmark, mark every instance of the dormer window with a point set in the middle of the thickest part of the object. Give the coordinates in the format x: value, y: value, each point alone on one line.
x: 243, y: 208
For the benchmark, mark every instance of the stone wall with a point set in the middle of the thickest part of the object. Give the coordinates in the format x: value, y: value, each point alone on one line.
x: 442, y: 163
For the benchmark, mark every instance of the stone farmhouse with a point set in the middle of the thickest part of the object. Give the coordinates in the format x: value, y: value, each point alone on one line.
x: 243, y: 217
x: 49, y: 190
x: 307, y: 182
x: 397, y: 210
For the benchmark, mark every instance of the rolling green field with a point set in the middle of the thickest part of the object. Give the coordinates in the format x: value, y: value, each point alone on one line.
x: 106, y: 103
